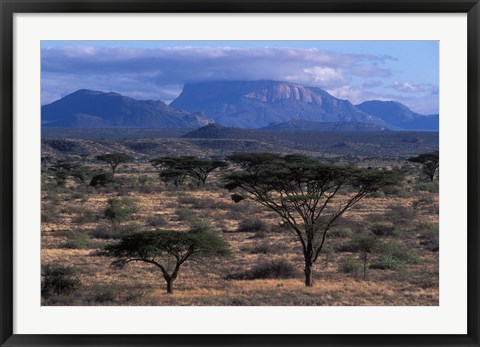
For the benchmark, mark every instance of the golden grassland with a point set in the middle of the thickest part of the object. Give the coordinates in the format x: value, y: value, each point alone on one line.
x: 72, y: 210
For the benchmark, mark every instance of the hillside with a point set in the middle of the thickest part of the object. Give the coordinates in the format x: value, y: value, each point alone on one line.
x: 400, y: 115
x: 94, y: 109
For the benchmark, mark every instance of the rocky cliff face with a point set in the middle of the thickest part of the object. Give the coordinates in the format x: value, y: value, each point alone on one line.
x: 255, y: 104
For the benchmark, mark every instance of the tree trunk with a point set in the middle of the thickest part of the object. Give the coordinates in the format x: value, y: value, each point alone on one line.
x: 170, y: 286
x: 308, y: 274
x: 365, y: 261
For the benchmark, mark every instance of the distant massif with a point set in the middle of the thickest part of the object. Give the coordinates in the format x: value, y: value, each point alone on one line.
x: 266, y: 105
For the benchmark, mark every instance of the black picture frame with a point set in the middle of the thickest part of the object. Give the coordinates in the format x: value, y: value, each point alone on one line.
x: 10, y: 7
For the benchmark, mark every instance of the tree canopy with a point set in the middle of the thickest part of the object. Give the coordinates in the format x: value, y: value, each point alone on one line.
x: 177, y: 169
x: 167, y: 250
x: 304, y: 193
x: 430, y: 163
x: 114, y: 159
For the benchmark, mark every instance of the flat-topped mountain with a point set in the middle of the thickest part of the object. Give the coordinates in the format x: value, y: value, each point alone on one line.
x: 399, y: 115
x: 95, y: 109
x: 256, y: 104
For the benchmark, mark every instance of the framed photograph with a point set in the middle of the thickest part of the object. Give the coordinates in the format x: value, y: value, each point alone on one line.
x: 239, y: 173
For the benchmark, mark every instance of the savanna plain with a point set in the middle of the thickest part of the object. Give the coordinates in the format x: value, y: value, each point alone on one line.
x: 245, y: 242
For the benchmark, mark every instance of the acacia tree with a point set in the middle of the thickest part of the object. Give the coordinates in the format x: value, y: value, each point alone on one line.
x: 63, y: 169
x: 177, y: 169
x: 430, y: 163
x: 304, y: 193
x: 366, y: 244
x: 114, y: 159
x: 167, y: 250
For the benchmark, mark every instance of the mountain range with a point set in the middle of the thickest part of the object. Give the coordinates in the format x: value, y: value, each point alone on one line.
x: 271, y: 105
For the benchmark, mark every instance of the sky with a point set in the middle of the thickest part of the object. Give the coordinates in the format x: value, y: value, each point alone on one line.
x: 403, y: 71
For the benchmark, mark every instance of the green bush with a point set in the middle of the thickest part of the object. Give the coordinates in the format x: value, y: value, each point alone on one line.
x: 388, y: 261
x: 78, y: 240
x: 59, y: 280
x: 400, y: 251
x: 350, y: 266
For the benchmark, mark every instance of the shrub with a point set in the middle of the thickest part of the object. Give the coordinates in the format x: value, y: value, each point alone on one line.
x: 384, y: 229
x: 431, y: 187
x: 346, y: 247
x: 85, y: 217
x: 103, y: 233
x: 130, y: 228
x: 428, y: 280
x: 105, y: 293
x: 350, y: 266
x: 102, y: 179
x: 400, y: 251
x: 400, y: 214
x: 130, y: 204
x: 378, y: 194
x: 340, y: 233
x: 186, y: 215
x: 116, y: 212
x: 49, y: 215
x: 59, y: 280
x: 392, y: 190
x: 388, y: 261
x: 263, y: 248
x: 257, y: 226
x: 77, y: 240
x: 275, y: 269
x: 156, y: 221
x: 429, y: 236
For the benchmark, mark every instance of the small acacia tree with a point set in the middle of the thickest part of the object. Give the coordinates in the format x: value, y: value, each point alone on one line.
x: 366, y: 245
x: 114, y: 159
x: 176, y: 169
x: 430, y: 163
x: 167, y: 250
x: 304, y: 193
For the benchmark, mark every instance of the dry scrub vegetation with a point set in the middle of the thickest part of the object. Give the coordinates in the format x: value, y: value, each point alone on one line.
x: 265, y: 266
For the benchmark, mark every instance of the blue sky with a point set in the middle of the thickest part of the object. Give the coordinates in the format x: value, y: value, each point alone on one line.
x: 404, y: 71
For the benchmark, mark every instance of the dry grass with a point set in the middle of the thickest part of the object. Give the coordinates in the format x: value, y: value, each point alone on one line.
x: 142, y: 284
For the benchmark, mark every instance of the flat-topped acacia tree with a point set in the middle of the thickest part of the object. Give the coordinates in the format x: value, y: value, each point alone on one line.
x: 114, y: 159
x: 176, y: 169
x: 305, y: 193
x: 430, y: 163
x: 168, y: 250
